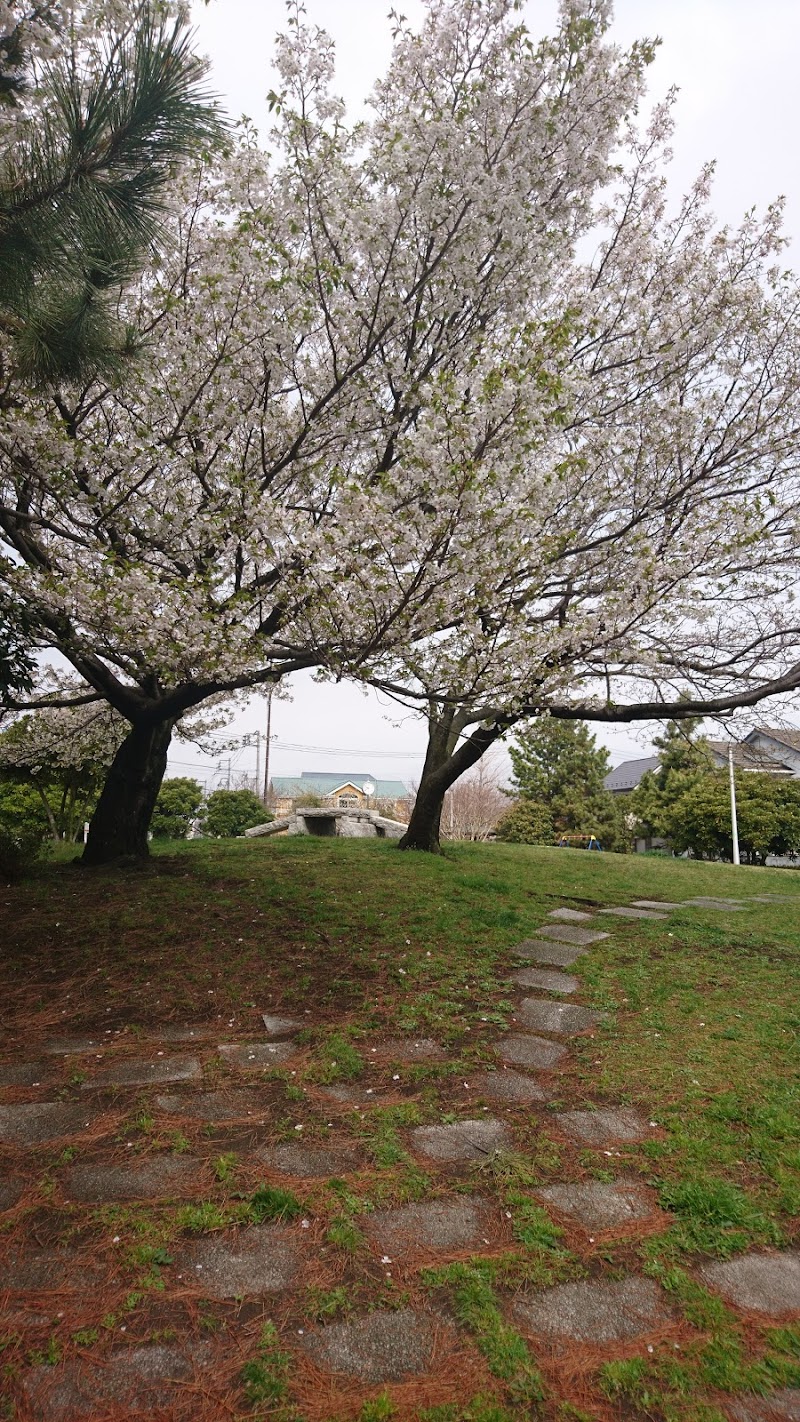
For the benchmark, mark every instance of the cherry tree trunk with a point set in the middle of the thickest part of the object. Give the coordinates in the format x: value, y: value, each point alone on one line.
x: 443, y: 766
x: 119, y: 825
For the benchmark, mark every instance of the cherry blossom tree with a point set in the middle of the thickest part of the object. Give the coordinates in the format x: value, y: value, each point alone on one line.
x: 342, y: 338
x: 653, y: 538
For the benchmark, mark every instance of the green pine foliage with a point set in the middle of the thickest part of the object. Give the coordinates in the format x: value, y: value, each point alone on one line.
x: 560, y: 769
x: 83, y: 187
x: 527, y: 822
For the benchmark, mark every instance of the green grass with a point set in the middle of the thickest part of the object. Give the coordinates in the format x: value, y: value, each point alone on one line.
x: 701, y: 1036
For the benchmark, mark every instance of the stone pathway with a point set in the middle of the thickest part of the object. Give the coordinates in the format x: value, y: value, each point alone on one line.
x: 225, y: 1094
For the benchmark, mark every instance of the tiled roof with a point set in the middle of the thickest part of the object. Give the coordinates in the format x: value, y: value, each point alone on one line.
x: 628, y: 775
x: 786, y: 738
x: 748, y: 757
x: 311, y: 783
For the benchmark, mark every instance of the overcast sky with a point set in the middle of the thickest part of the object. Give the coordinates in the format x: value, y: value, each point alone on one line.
x: 735, y: 65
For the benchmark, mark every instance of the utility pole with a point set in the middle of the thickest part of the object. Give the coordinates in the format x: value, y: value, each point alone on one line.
x: 229, y: 772
x: 258, y: 760
x: 734, y: 822
x: 266, y: 746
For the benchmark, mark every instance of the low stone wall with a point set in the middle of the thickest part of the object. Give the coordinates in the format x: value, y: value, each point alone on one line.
x: 346, y: 824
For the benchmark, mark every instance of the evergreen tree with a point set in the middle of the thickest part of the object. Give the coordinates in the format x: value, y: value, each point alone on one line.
x: 559, y: 765
x: 84, y: 181
x: 683, y: 759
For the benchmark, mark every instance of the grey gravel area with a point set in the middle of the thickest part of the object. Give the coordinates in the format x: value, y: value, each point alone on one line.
x: 255, y: 1056
x: 546, y: 980
x: 38, y: 1121
x: 523, y: 1049
x: 378, y: 1348
x: 567, y: 933
x: 598, y: 1206
x: 595, y: 1311
x: 564, y: 1018
x: 156, y: 1178
x: 144, y: 1072
x: 465, y: 1140
x: 441, y: 1225
x: 560, y: 955
x: 309, y: 1162
x: 765, y: 1283
x: 507, y: 1085
x: 245, y: 1263
x: 600, y: 1128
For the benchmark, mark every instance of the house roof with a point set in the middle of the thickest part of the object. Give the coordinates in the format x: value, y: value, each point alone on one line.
x: 748, y: 757
x: 628, y: 775
x: 790, y: 738
x: 311, y: 783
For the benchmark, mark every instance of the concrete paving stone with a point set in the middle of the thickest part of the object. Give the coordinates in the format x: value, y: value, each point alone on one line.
x: 598, y: 1206
x: 464, y: 1140
x: 153, y: 1179
x: 623, y: 912
x: 546, y: 980
x: 569, y: 933
x: 560, y: 1017
x: 525, y: 1050
x: 438, y: 1225
x: 309, y: 1162
x: 729, y: 905
x: 275, y: 1026
x: 137, y: 1379
x: 10, y: 1193
x: 143, y: 1072
x: 780, y: 1406
x: 38, y: 1121
x: 49, y: 1268
x: 595, y: 1311
x: 599, y: 1128
x: 378, y: 1348
x: 765, y: 1283
x: 660, y: 905
x: 507, y: 1086
x: 351, y: 1094
x: 244, y: 1263
x: 170, y: 1032
x: 406, y: 1049
x: 215, y: 1106
x: 255, y: 1056
x: 72, y: 1046
x: 560, y: 955
x: 22, y: 1073
x: 568, y: 915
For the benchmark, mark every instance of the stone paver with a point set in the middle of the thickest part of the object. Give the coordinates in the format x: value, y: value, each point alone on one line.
x: 22, y: 1073
x: 39, y: 1121
x: 568, y: 915
x: 352, y: 1094
x: 10, y: 1193
x: 546, y: 980
x: 72, y: 1046
x: 507, y: 1086
x: 406, y: 1049
x: 780, y: 1406
x: 600, y: 1128
x: 142, y: 1072
x: 215, y: 1106
x: 660, y: 905
x: 596, y: 1311
x: 765, y: 1283
x: 138, y: 1379
x: 567, y: 933
x: 465, y: 1140
x: 525, y: 1050
x: 308, y: 1162
x: 275, y: 1026
x: 255, y: 1056
x: 170, y: 1032
x: 378, y: 1348
x: 598, y: 1206
x: 49, y: 1268
x: 728, y: 905
x: 561, y: 1017
x: 153, y: 1179
x: 438, y: 1225
x: 560, y: 955
x: 623, y: 912
x: 245, y: 1263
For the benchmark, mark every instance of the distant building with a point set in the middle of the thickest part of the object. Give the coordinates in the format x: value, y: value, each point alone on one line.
x: 626, y: 777
x: 342, y: 790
